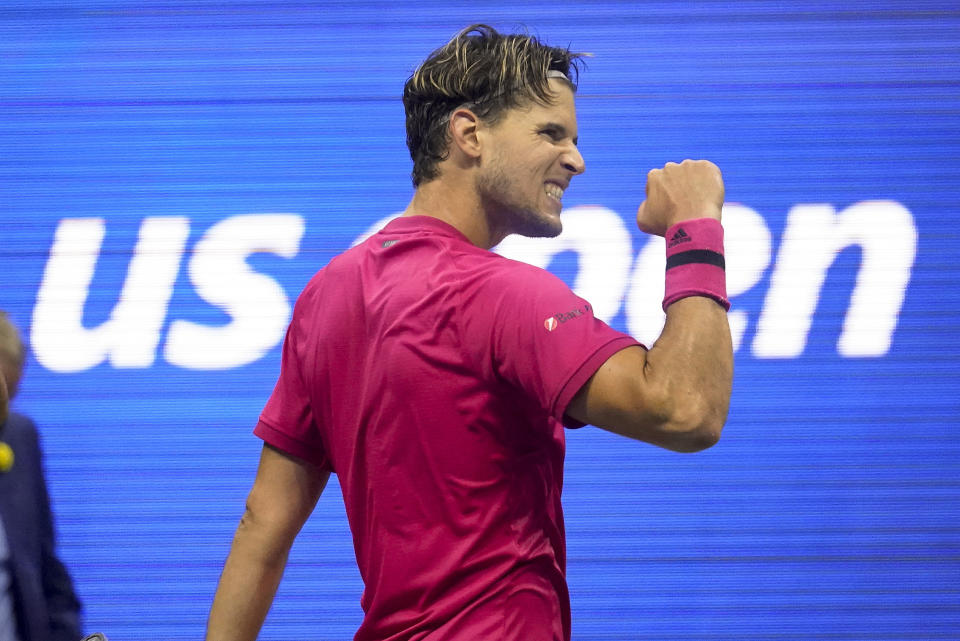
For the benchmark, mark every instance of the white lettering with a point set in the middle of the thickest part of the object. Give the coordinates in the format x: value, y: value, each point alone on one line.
x: 747, y: 245
x: 129, y: 337
x: 814, y: 236
x: 259, y: 309
x: 256, y: 303
x: 645, y: 315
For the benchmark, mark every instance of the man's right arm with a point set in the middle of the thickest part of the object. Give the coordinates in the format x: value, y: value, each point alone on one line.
x: 677, y: 394
x: 283, y: 496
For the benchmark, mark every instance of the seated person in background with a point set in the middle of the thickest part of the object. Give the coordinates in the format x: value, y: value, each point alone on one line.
x: 37, y: 601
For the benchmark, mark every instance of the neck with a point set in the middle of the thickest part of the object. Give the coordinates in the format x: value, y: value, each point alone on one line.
x: 456, y: 204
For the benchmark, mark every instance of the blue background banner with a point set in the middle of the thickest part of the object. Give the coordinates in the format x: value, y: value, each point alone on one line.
x: 173, y: 173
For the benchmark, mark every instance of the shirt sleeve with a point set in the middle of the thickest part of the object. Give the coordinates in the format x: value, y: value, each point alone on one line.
x: 545, y: 339
x: 287, y: 421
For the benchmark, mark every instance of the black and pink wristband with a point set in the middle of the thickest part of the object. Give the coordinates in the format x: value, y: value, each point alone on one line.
x: 695, y: 264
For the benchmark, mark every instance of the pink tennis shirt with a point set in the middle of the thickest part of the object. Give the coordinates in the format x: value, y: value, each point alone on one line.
x: 432, y: 377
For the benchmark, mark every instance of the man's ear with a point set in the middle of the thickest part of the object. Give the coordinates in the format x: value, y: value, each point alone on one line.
x: 464, y: 129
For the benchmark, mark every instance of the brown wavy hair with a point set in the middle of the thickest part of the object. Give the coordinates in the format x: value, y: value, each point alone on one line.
x: 484, y: 70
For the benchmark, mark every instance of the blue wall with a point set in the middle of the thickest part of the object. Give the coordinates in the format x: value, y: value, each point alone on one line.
x: 173, y: 173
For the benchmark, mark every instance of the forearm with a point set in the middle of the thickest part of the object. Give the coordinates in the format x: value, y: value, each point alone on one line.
x: 283, y: 495
x: 691, y: 365
x: 690, y: 368
x: 247, y: 586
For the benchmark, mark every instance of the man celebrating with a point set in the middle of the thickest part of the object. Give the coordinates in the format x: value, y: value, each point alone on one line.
x: 435, y: 377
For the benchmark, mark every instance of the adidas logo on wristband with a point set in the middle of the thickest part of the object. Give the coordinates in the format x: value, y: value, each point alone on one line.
x: 697, y: 269
x: 678, y: 237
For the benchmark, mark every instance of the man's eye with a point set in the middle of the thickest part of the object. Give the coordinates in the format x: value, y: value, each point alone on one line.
x: 549, y: 131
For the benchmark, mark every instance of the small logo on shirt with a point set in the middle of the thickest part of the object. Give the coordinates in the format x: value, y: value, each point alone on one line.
x: 678, y: 237
x: 557, y: 319
x: 388, y: 243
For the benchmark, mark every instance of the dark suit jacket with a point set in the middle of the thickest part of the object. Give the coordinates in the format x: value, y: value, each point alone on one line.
x: 46, y: 607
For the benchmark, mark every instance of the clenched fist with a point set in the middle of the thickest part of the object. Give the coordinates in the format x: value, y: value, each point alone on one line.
x: 678, y: 192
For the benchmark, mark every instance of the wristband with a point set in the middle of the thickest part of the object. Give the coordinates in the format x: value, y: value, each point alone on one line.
x: 695, y: 264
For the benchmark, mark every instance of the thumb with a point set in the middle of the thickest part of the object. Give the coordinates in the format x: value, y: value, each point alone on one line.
x: 644, y: 224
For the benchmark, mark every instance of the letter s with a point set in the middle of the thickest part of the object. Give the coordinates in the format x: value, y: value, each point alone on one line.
x: 256, y: 303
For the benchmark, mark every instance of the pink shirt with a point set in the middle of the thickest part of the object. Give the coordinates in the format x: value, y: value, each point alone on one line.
x: 432, y: 377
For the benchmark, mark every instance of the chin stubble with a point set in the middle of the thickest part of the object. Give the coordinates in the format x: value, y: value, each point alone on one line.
x: 495, y: 189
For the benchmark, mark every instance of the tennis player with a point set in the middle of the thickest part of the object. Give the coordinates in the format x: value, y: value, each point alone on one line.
x: 436, y: 378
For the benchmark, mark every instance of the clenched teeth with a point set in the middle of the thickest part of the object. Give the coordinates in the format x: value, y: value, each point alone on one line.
x: 554, y: 191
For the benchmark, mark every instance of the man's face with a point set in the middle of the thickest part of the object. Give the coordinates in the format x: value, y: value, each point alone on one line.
x: 528, y: 159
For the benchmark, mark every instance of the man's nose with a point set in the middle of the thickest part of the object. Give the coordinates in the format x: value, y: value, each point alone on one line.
x: 573, y: 161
